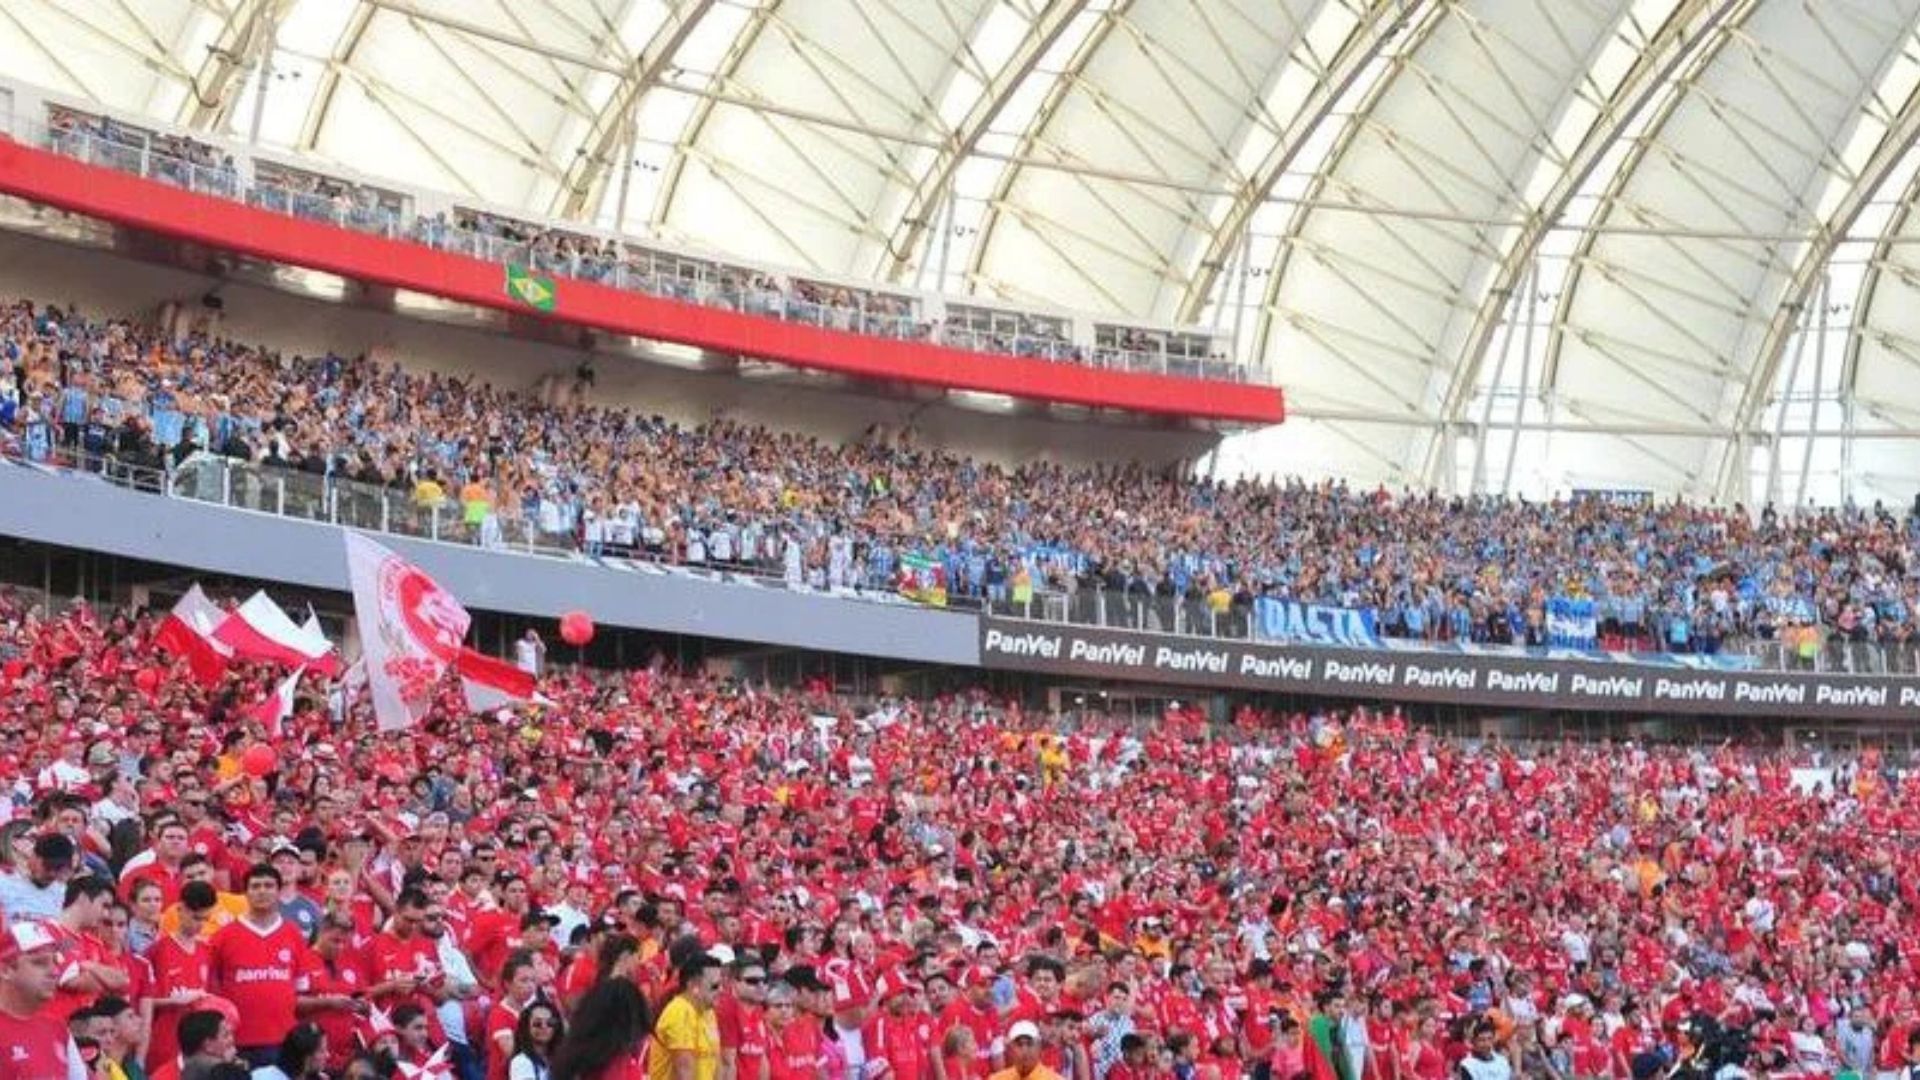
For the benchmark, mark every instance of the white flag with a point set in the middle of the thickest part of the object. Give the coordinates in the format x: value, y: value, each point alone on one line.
x: 410, y: 630
x: 272, y: 712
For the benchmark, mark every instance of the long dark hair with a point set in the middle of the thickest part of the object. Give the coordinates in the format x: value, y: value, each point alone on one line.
x: 612, y: 1019
x: 523, y: 1031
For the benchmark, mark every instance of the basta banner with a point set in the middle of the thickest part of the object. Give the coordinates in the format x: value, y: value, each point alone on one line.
x: 1441, y: 678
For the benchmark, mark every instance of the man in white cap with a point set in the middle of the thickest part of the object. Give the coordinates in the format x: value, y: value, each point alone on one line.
x: 34, y: 1043
x: 1023, y: 1055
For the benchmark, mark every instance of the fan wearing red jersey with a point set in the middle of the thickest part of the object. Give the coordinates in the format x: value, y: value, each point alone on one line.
x: 403, y: 962
x: 181, y: 972
x: 519, y: 988
x: 86, y: 968
x: 903, y: 1033
x: 256, y: 963
x: 333, y: 986
x: 741, y: 1012
x: 34, y: 1044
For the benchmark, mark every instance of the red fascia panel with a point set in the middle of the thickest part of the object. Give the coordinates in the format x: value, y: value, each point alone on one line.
x: 99, y: 192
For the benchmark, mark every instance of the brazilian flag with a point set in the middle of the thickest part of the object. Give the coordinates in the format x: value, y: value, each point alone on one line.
x: 534, y: 290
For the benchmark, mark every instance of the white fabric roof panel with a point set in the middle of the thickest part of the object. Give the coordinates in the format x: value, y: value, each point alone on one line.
x: 1666, y: 327
x: 1365, y: 191
x: 1372, y: 308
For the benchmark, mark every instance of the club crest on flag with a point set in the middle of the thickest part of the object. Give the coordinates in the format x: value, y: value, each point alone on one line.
x: 410, y: 630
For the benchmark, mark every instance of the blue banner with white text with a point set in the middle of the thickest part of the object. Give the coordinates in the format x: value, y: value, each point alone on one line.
x: 1290, y: 620
x: 1572, y: 623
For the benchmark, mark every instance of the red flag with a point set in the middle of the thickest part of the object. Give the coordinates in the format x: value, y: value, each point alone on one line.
x: 188, y: 632
x: 489, y: 683
x: 259, y: 630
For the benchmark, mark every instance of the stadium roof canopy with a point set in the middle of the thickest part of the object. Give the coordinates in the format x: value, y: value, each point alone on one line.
x: 1527, y: 244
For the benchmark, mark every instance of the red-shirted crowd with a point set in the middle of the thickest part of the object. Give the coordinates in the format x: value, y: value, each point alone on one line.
x: 666, y: 873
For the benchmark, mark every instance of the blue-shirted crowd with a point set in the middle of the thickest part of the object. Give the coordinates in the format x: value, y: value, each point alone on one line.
x: 1676, y: 576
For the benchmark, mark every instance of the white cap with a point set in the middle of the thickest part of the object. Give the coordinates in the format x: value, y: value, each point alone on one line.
x: 1023, y: 1029
x: 722, y: 953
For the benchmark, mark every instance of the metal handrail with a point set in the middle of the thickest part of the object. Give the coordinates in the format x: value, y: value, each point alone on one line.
x: 285, y: 492
x: 633, y: 269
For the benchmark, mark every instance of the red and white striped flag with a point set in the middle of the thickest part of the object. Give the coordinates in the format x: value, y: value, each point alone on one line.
x: 410, y: 630
x: 188, y: 631
x: 272, y: 712
x: 490, y: 683
x: 259, y: 630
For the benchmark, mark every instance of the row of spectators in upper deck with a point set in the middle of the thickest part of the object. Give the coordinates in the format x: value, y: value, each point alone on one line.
x: 714, y: 284
x: 326, y: 198
x: 197, y: 165
x: 849, y: 516
x: 176, y: 159
x: 1011, y: 333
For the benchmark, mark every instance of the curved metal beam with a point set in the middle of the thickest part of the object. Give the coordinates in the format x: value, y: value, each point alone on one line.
x: 321, y: 106
x: 1899, y: 138
x: 245, y: 36
x: 1426, y: 16
x: 1062, y: 85
x: 1383, y: 21
x: 689, y: 134
x: 1652, y: 71
x: 1870, y: 279
x: 1698, y: 60
x: 592, y: 166
x: 923, y: 205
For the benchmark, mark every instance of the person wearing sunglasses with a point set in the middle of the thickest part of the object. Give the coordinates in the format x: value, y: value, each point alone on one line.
x: 519, y: 989
x: 535, y: 1038
x: 741, y: 1011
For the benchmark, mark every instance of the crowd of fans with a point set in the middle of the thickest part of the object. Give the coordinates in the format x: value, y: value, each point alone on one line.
x: 1675, y: 576
x: 668, y: 874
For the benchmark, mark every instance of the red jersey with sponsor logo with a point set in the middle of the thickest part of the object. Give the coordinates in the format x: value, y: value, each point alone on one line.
x: 905, y: 1042
x: 750, y: 1043
x: 418, y: 957
x: 34, y: 1047
x: 796, y: 1052
x: 176, y: 967
x: 346, y: 976
x: 258, y: 970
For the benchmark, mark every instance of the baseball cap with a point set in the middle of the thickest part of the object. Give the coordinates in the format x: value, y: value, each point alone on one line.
x: 1023, y: 1029
x: 24, y: 939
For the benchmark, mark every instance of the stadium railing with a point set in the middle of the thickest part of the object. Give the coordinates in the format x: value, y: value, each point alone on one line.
x: 637, y: 269
x: 292, y: 493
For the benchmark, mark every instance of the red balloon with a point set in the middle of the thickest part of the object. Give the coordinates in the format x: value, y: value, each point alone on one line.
x: 259, y: 760
x: 576, y: 628
x: 147, y: 680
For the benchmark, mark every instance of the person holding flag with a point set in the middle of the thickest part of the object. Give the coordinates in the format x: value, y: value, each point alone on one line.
x: 1325, y: 1061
